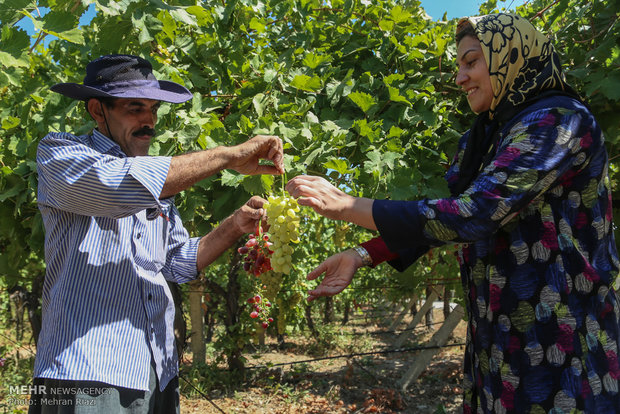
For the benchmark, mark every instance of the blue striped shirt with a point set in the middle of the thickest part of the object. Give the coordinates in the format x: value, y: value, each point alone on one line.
x: 110, y: 246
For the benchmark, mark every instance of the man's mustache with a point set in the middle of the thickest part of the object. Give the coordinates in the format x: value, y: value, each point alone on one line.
x: 144, y: 131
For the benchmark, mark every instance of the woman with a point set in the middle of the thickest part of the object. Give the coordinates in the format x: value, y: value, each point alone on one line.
x: 531, y: 210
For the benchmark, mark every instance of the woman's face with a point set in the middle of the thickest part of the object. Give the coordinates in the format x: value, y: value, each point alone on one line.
x: 473, y: 75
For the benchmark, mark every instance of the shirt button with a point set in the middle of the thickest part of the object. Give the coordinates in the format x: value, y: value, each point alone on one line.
x: 150, y: 296
x: 138, y: 235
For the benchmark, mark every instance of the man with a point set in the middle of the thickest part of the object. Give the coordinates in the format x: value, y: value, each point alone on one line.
x: 113, y: 238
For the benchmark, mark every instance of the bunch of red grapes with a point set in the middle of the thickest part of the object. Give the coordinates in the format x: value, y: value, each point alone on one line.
x: 260, y: 311
x: 257, y: 254
x: 257, y: 261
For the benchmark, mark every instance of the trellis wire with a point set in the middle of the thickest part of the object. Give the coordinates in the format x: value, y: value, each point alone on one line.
x: 356, y: 354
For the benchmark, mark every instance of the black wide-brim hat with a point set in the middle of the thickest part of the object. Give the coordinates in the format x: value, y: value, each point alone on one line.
x: 123, y: 76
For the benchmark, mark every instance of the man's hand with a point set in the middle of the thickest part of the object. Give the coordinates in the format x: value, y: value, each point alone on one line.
x: 339, y: 270
x: 187, y: 169
x: 243, y: 221
x: 247, y: 217
x: 246, y: 157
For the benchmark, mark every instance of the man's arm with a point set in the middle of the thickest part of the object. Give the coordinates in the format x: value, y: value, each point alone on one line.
x: 187, y: 169
x: 243, y: 221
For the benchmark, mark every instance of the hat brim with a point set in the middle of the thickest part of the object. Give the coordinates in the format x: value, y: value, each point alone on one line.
x: 168, y: 92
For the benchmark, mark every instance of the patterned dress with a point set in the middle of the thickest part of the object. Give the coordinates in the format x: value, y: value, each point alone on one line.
x: 538, y: 261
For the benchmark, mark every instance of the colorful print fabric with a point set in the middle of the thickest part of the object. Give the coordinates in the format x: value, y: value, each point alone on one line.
x: 538, y: 260
x: 543, y: 316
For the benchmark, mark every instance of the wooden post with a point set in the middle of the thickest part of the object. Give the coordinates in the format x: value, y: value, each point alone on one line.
x: 196, y: 319
x: 439, y: 339
x: 405, y: 311
x: 416, y: 319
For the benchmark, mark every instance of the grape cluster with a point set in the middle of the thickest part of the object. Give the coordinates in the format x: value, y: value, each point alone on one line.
x: 272, y: 282
x: 256, y: 261
x: 261, y: 310
x: 257, y: 254
x: 284, y: 223
x: 285, y: 308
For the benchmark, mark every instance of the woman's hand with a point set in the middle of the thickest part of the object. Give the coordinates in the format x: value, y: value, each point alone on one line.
x: 330, y: 202
x: 320, y: 194
x: 339, y: 270
x: 247, y: 217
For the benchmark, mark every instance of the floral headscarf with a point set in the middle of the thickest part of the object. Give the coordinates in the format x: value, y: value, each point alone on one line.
x: 523, y: 67
x: 521, y: 60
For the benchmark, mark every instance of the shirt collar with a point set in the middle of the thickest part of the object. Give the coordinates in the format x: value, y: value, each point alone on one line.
x: 105, y: 145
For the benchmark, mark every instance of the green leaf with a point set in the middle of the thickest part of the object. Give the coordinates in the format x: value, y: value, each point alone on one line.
x: 399, y: 15
x: 10, y: 122
x: 337, y: 89
x: 258, y: 184
x: 386, y: 25
x: 610, y: 86
x: 231, y: 179
x: 363, y: 100
x: 15, y: 189
x: 8, y: 61
x: 395, y: 132
x: 187, y: 136
x: 338, y: 165
x: 257, y: 25
x: 181, y: 15
x: 313, y: 61
x: 59, y: 21
x: 312, y: 156
x: 9, y: 12
x: 260, y: 102
x: 306, y: 83
x: 74, y: 35
x: 14, y: 41
x: 202, y: 15
x: 395, y: 96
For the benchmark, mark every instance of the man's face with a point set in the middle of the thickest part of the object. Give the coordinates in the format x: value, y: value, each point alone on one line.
x: 473, y: 76
x: 131, y: 124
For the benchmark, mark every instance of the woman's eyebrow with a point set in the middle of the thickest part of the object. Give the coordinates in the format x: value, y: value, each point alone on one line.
x: 465, y: 54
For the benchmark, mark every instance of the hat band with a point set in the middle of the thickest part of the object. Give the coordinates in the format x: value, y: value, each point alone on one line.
x: 123, y: 86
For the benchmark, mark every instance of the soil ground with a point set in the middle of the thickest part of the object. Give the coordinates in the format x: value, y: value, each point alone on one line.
x: 362, y: 384
x: 366, y: 383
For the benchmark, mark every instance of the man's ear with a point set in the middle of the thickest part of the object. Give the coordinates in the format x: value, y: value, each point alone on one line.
x: 94, y: 107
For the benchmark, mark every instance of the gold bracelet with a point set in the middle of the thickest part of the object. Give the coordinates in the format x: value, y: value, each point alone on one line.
x: 366, y: 259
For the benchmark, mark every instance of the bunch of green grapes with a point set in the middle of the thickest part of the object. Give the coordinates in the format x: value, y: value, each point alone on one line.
x: 284, y: 224
x: 285, y: 309
x: 271, y: 284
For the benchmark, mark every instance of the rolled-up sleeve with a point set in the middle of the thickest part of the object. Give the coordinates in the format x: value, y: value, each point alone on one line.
x: 76, y: 178
x: 182, y: 252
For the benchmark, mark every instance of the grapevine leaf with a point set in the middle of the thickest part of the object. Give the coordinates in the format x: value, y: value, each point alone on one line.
x: 14, y: 41
x: 8, y: 60
x: 10, y: 122
x: 255, y: 184
x: 363, y: 100
x: 313, y: 61
x: 306, y: 83
x: 181, y: 15
x: 231, y: 179
x: 260, y: 102
x: 395, y: 96
x: 59, y: 21
x: 338, y: 165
